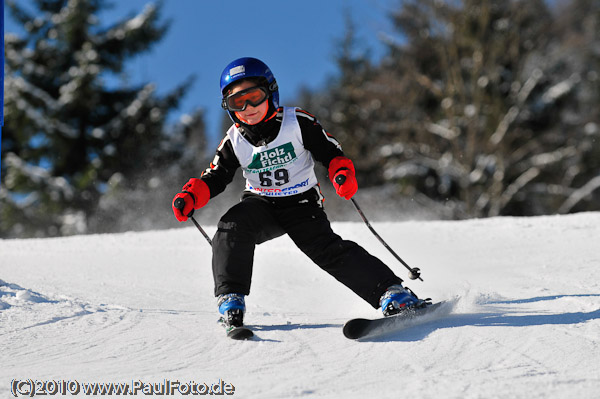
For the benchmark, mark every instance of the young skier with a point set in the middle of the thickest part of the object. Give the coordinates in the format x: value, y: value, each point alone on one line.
x: 276, y: 148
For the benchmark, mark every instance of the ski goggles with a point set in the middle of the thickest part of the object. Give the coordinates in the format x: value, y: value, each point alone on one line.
x: 239, y: 101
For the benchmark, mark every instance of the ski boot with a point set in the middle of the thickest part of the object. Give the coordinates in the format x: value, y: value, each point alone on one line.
x: 398, y: 299
x: 232, y: 307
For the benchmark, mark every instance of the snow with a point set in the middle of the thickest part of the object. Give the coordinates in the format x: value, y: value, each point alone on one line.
x: 524, y: 323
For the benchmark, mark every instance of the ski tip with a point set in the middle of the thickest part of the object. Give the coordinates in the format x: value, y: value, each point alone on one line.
x: 240, y: 333
x: 360, y: 328
x: 355, y: 328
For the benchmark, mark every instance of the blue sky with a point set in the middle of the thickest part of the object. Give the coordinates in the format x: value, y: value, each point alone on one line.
x: 296, y: 39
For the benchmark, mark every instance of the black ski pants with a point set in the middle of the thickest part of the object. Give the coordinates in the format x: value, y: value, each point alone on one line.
x: 257, y: 219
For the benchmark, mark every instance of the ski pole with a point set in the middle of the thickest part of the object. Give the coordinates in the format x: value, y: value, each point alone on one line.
x: 414, y: 272
x: 179, y: 203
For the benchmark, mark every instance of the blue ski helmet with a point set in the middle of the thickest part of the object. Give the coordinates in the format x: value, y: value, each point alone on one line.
x: 248, y: 67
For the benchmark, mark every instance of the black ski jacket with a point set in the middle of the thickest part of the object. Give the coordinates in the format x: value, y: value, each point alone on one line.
x: 321, y: 145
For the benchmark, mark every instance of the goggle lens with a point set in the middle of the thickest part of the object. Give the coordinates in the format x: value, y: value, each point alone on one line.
x: 240, y: 100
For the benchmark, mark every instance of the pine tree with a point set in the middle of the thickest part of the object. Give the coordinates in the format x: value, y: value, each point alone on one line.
x: 480, y: 114
x: 480, y: 108
x: 72, y: 140
x: 344, y: 107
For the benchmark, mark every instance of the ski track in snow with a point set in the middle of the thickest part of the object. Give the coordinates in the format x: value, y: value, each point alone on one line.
x: 522, y: 318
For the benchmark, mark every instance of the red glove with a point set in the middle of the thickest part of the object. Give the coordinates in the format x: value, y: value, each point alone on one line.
x: 195, y: 194
x: 342, y: 166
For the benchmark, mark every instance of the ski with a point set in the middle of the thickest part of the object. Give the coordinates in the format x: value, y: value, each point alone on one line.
x: 360, y: 328
x: 237, y: 333
x: 240, y: 333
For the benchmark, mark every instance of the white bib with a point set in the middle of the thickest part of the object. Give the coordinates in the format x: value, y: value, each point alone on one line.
x: 280, y: 168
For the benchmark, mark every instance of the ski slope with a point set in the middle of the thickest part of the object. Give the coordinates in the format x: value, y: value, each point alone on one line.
x: 138, y: 308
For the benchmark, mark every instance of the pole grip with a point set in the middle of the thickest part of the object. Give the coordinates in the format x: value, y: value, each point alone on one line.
x: 179, y: 203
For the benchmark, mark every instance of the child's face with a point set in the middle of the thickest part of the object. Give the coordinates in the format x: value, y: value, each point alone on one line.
x: 251, y: 115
